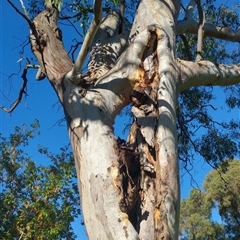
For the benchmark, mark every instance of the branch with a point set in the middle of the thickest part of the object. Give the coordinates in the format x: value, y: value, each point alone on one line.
x: 24, y: 9
x: 225, y: 33
x: 121, y: 12
x: 30, y: 23
x: 205, y: 73
x: 200, y: 30
x: 19, y: 12
x: 189, y: 11
x: 186, y: 45
x: 21, y: 91
x: 190, y: 26
x: 110, y: 40
x: 75, y: 74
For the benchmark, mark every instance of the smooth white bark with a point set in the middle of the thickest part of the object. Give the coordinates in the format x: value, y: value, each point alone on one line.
x: 204, y: 73
x: 191, y: 27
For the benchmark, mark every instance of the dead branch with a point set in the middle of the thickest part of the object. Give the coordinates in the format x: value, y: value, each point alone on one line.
x: 30, y: 23
x: 22, y: 90
x: 24, y: 9
x: 210, y: 30
x: 19, y: 12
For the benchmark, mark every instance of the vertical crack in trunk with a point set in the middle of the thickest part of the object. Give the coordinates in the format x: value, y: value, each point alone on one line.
x: 142, y: 139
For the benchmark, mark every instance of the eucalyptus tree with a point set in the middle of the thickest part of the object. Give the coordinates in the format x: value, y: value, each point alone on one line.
x: 130, y: 189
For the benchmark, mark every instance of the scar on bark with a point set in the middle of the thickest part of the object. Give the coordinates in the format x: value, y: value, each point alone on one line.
x: 147, y: 74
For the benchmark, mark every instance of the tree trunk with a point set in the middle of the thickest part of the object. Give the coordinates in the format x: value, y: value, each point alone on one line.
x: 128, y: 190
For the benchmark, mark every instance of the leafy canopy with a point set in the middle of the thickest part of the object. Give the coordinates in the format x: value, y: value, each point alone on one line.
x: 221, y: 191
x: 37, y: 202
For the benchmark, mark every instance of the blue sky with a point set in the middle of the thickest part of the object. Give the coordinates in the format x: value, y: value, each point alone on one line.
x: 42, y: 103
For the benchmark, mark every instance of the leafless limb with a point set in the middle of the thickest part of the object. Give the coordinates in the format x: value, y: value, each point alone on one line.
x: 19, y: 12
x: 200, y: 30
x: 70, y: 17
x: 72, y: 25
x: 75, y: 74
x: 73, y: 49
x: 24, y: 9
x: 30, y: 23
x: 22, y: 90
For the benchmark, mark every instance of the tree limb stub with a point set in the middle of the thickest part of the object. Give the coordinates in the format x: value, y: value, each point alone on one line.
x: 189, y: 10
x: 204, y: 73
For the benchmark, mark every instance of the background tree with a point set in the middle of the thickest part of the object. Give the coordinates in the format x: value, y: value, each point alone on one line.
x: 131, y: 189
x: 37, y: 202
x: 221, y: 191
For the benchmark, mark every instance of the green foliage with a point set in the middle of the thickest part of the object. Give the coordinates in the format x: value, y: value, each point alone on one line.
x: 37, y: 202
x: 221, y: 191
x: 212, y: 139
x: 195, y: 219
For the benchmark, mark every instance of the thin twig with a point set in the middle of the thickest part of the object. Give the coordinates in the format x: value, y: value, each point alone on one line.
x: 24, y: 9
x: 19, y: 12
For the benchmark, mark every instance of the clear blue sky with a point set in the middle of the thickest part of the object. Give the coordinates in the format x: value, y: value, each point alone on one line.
x: 42, y: 103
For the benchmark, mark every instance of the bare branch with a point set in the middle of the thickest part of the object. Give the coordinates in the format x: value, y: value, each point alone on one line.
x: 24, y: 9
x: 30, y: 23
x: 19, y: 12
x: 22, y: 90
x: 75, y: 74
x: 225, y: 33
x: 189, y: 25
x: 200, y: 30
x: 206, y: 73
